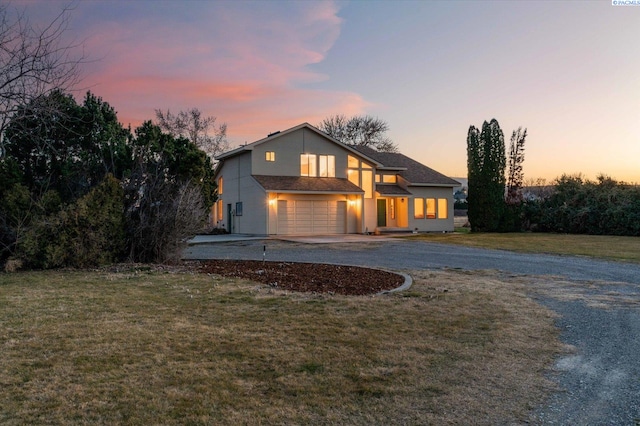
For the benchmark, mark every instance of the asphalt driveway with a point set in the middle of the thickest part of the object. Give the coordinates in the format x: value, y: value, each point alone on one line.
x: 598, y: 303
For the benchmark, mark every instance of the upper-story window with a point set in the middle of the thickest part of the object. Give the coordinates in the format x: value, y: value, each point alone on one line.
x: 308, y: 165
x: 386, y: 178
x: 314, y: 165
x: 327, y: 165
x: 220, y: 185
x: 361, y: 174
x: 270, y: 156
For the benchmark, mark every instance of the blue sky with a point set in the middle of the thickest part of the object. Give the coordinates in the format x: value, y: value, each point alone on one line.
x: 568, y: 71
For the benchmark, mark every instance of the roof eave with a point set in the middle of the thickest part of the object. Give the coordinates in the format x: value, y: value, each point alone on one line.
x: 441, y: 185
x: 293, y: 191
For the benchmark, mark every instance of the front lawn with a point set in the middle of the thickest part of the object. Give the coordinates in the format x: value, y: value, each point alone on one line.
x: 149, y: 347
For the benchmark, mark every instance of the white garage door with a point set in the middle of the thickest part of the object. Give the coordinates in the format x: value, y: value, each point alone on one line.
x: 311, y: 217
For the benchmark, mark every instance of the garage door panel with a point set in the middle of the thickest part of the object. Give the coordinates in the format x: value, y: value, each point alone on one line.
x: 311, y: 216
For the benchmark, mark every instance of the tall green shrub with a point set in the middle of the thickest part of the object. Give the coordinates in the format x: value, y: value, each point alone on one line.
x: 486, y: 162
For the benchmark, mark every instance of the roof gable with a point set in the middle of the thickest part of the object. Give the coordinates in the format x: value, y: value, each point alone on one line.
x: 275, y: 135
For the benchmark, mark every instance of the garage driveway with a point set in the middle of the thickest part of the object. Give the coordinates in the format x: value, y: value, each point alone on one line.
x: 598, y: 303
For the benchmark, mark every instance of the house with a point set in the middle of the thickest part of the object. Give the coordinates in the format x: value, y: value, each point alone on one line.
x: 302, y: 181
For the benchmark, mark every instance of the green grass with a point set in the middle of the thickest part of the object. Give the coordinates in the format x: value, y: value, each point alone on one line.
x: 141, y: 347
x: 597, y: 246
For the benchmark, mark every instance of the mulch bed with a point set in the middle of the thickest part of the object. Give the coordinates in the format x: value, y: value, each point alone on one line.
x: 308, y: 277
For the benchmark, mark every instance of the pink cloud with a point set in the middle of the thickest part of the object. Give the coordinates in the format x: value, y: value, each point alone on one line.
x: 242, y: 62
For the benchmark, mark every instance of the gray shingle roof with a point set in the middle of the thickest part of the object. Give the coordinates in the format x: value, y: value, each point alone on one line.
x: 415, y: 173
x: 307, y: 184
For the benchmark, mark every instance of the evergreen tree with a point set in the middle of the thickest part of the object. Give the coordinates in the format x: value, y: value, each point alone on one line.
x: 486, y: 164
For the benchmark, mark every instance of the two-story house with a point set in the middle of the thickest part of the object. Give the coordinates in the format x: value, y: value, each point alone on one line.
x: 302, y: 181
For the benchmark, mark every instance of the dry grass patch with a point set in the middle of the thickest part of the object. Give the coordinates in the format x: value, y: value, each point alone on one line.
x: 172, y: 348
x: 599, y: 246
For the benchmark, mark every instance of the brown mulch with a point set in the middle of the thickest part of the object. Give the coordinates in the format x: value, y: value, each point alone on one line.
x: 308, y: 277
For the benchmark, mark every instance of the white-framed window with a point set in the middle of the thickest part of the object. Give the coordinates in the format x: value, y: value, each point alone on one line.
x: 327, y: 165
x: 308, y: 165
x: 270, y: 156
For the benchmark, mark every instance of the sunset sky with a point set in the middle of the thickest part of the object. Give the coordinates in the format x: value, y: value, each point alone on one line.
x: 568, y: 71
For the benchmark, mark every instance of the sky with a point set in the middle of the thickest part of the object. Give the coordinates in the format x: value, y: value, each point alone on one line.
x: 567, y: 71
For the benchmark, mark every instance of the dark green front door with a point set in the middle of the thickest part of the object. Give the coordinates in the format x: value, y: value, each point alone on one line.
x: 382, y: 212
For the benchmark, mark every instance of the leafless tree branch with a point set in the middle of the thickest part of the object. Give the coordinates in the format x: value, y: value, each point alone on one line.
x: 34, y: 61
x: 200, y: 130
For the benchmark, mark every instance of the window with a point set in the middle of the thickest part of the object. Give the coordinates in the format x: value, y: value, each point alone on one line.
x: 418, y: 208
x: 308, y: 165
x: 377, y: 177
x: 220, y: 185
x: 270, y: 156
x: 392, y: 208
x: 443, y: 208
x: 354, y: 176
x: 367, y: 183
x: 362, y: 178
x: 431, y: 208
x: 239, y: 209
x: 389, y: 179
x: 327, y: 165
x: 219, y: 213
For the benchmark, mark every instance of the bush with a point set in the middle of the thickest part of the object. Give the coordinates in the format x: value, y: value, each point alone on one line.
x: 604, y: 207
x: 89, y: 232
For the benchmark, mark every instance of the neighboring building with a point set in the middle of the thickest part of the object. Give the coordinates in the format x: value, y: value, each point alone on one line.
x: 460, y: 192
x: 302, y: 181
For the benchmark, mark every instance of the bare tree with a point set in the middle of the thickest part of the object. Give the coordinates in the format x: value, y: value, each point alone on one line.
x: 33, y: 62
x: 164, y: 216
x: 359, y: 130
x: 191, y: 124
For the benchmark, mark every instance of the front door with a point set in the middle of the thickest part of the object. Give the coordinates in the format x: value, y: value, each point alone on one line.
x: 229, y: 218
x: 382, y: 212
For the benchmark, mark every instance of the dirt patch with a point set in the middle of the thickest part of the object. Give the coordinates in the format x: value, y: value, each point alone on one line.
x: 308, y: 277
